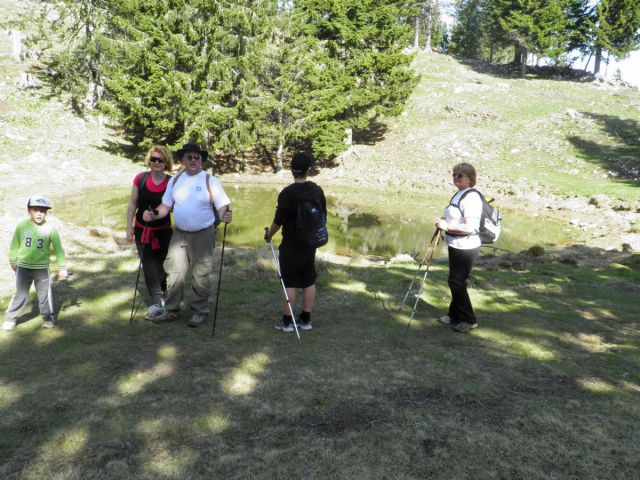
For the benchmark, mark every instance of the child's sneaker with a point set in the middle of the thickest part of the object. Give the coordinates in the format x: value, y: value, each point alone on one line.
x: 157, y: 313
x: 49, y: 322
x: 304, y: 326
x: 282, y: 327
x: 9, y: 325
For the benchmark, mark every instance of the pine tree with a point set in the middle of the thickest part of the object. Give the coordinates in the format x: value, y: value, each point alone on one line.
x: 71, y: 28
x: 241, y: 74
x: 538, y: 26
x: 616, y: 28
x: 363, y: 41
x: 468, y: 34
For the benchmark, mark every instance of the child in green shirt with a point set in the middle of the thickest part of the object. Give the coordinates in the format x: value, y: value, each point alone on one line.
x: 29, y: 256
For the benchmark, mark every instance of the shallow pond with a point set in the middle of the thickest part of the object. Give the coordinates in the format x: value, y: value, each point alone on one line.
x: 361, y: 222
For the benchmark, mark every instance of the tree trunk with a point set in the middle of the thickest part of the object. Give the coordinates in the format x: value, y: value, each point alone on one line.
x: 598, y: 60
x: 523, y: 63
x: 279, y: 156
x: 586, y: 65
x: 92, y: 95
x: 16, y: 45
x: 427, y: 27
x: 416, y: 33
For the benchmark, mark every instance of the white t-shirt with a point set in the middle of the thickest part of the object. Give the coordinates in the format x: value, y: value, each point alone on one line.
x: 470, y: 210
x: 192, y: 210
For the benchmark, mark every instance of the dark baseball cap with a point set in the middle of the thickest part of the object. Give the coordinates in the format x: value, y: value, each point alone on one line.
x: 301, y: 162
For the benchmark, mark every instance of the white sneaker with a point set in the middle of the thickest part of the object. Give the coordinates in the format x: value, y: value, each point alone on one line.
x: 197, y: 319
x: 304, y: 326
x: 157, y: 313
x: 445, y: 320
x: 8, y: 325
x: 284, y: 328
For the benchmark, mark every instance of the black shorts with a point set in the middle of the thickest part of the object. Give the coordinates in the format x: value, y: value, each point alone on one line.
x: 298, y: 266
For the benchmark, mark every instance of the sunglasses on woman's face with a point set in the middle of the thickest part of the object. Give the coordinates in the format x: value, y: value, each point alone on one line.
x: 458, y: 176
x: 156, y: 160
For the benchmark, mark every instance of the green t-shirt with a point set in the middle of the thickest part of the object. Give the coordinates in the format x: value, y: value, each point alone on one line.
x: 32, y: 244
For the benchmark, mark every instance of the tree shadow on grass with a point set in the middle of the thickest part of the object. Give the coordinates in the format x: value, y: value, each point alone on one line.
x: 621, y: 155
x: 99, y: 398
x: 542, y: 72
x: 373, y: 134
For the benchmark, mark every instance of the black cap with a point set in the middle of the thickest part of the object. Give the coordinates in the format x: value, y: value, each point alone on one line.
x: 192, y: 147
x: 301, y: 162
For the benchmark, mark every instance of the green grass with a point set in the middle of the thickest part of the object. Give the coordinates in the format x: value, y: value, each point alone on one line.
x: 516, y: 132
x: 545, y: 389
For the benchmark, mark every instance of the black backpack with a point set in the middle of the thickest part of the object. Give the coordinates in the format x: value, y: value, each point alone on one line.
x: 311, y: 224
x: 490, y: 220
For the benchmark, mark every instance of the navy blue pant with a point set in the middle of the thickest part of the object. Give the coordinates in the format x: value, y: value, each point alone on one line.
x: 460, y: 264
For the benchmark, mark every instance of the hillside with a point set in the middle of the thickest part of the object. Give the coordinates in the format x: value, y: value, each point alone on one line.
x: 566, y: 149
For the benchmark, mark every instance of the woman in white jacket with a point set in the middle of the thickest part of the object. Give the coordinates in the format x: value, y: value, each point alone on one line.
x: 460, y: 224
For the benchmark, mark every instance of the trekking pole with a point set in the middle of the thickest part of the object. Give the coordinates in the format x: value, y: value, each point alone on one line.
x: 133, y: 304
x: 424, y: 259
x: 286, y: 296
x: 433, y: 246
x: 215, y: 310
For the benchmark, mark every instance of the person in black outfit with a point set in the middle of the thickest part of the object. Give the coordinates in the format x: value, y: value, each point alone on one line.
x: 297, y: 261
x: 152, y: 238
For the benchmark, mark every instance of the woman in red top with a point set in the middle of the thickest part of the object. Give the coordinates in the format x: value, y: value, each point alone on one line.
x: 152, y: 238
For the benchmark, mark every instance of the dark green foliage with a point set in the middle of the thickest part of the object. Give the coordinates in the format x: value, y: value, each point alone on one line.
x: 608, y: 25
x: 467, y: 37
x: 534, y: 25
x: 237, y: 75
x: 547, y: 28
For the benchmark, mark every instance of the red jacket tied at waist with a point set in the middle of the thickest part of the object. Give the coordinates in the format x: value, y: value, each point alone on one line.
x: 149, y: 236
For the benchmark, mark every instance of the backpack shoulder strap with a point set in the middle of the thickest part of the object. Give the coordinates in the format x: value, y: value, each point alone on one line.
x: 207, y: 177
x: 175, y: 179
x: 467, y: 193
x: 143, y: 180
x: 216, y: 214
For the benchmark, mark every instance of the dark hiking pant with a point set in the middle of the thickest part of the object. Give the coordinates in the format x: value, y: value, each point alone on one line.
x: 460, y: 264
x: 153, y: 262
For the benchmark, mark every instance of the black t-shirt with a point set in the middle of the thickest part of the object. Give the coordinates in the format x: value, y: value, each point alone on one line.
x: 150, y: 195
x: 287, y: 209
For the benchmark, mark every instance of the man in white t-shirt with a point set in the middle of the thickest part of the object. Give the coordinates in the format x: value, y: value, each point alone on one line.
x: 196, y: 207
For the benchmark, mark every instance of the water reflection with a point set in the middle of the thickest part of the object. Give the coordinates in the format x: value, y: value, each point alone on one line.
x: 360, y: 222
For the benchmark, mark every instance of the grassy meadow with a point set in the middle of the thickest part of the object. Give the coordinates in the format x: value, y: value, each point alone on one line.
x: 546, y: 388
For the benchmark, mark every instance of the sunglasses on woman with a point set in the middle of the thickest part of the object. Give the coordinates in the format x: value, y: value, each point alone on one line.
x: 156, y: 160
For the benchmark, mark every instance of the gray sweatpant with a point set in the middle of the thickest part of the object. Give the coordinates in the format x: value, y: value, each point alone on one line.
x: 190, y: 251
x: 24, y: 278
